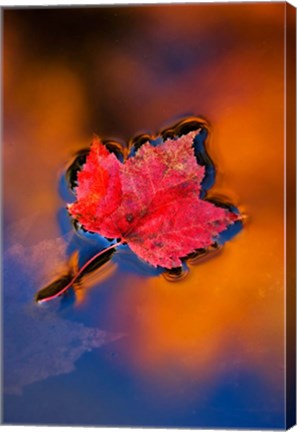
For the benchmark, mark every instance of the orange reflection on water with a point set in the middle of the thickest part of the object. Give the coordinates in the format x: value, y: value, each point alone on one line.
x: 231, y: 308
x: 44, y: 113
x: 232, y: 302
x: 82, y: 290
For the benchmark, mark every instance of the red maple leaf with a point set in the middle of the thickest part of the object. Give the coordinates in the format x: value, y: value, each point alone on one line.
x: 99, y: 192
x: 151, y: 201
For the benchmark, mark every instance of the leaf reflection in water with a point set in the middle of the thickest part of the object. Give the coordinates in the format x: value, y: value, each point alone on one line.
x: 38, y: 343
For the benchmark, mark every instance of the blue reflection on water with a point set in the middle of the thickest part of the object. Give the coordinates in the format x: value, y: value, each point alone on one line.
x: 58, y: 385
x: 100, y: 393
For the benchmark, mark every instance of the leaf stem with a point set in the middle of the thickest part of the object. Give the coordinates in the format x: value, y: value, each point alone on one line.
x: 80, y: 272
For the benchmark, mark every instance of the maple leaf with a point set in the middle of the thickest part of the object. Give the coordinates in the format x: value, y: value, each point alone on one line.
x: 99, y: 191
x: 151, y: 202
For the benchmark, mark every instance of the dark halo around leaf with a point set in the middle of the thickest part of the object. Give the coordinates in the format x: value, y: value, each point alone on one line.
x: 74, y: 277
x: 180, y: 128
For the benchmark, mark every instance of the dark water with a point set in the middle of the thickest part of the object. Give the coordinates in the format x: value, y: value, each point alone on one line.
x: 132, y: 348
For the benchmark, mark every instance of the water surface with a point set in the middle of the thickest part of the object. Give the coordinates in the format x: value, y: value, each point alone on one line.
x: 133, y: 348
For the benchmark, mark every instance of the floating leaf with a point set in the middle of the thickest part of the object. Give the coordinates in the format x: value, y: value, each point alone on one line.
x: 151, y: 202
x: 74, y: 275
x: 98, y: 262
x: 151, y: 195
x: 54, y: 289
